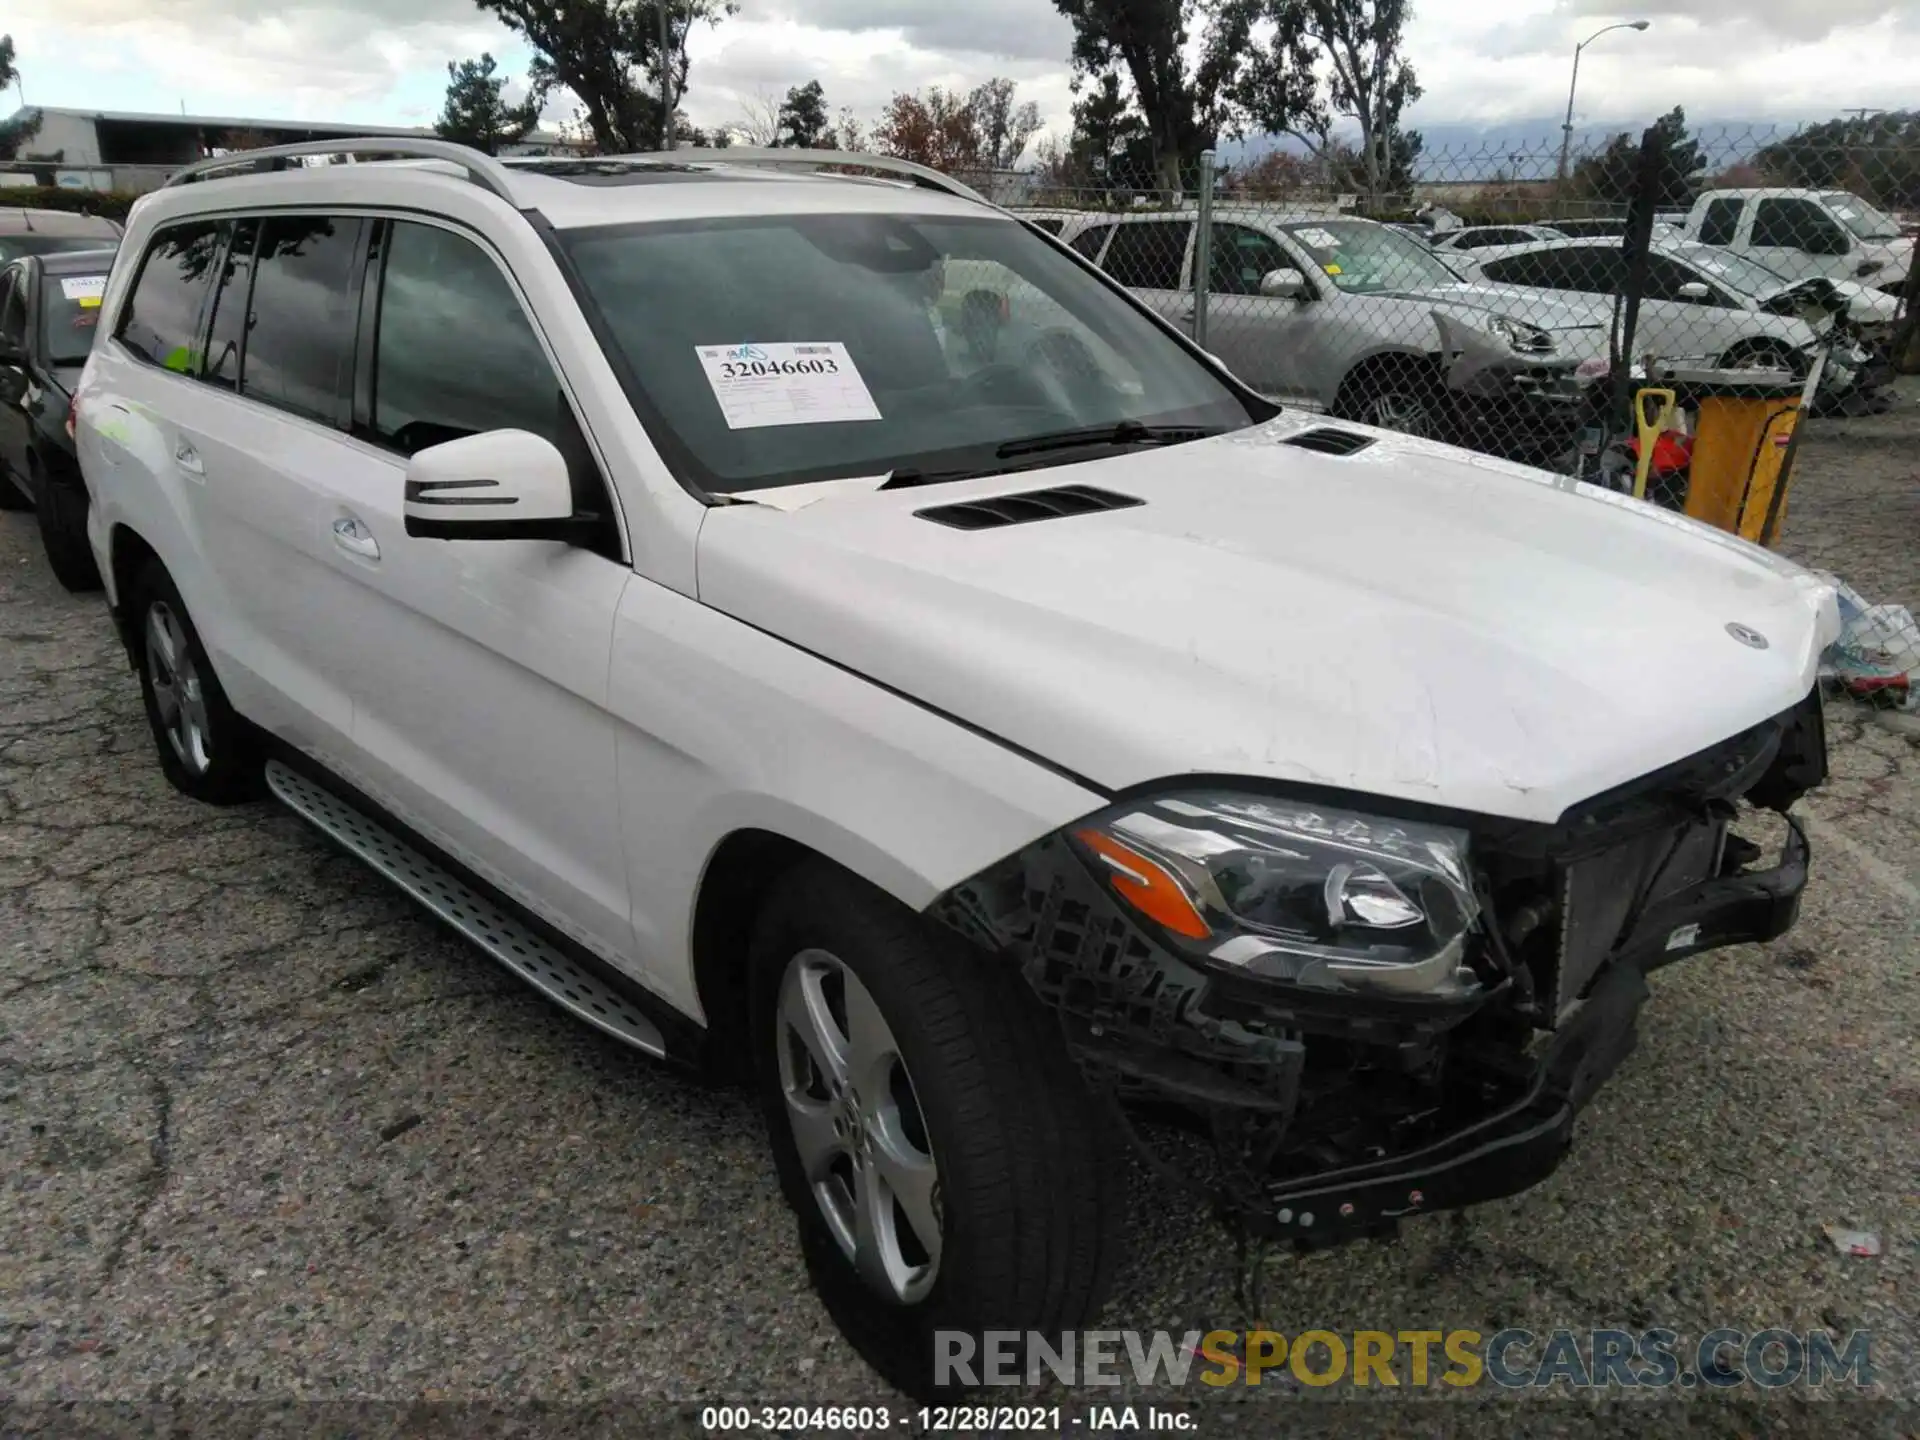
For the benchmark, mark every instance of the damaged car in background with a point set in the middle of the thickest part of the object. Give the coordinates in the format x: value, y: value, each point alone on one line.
x: 834, y: 635
x: 1363, y: 321
x: 1713, y: 306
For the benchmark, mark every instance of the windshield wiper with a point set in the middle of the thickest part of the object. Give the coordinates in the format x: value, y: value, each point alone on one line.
x: 1127, y: 432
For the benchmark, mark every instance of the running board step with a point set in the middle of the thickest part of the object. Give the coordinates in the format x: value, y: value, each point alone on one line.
x: 546, y: 968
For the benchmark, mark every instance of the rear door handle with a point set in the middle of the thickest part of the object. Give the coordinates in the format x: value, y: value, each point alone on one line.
x: 350, y: 533
x: 188, y: 459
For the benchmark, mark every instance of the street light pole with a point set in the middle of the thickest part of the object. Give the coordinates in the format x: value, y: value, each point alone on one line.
x: 1566, y: 130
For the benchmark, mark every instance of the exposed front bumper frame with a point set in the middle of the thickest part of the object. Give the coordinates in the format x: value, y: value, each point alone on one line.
x: 1518, y: 1146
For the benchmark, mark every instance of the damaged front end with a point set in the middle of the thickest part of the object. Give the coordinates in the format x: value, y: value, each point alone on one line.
x: 1509, y: 379
x: 1368, y: 1016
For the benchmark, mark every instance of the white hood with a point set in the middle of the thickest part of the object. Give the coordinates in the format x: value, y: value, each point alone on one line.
x: 1412, y: 620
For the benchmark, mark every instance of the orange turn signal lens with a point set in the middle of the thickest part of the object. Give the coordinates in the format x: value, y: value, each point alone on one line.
x: 1146, y: 885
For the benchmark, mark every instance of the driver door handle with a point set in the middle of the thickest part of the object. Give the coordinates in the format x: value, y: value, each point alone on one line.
x: 188, y: 459
x: 350, y: 533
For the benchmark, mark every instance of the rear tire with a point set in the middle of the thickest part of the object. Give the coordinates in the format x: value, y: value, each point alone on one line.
x: 62, y: 512
x: 206, y: 750
x: 937, y: 1091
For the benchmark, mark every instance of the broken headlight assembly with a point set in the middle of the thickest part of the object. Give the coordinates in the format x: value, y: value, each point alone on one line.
x: 1290, y: 891
x: 1525, y: 338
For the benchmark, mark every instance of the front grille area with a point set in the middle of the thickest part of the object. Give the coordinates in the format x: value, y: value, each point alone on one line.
x: 1601, y: 896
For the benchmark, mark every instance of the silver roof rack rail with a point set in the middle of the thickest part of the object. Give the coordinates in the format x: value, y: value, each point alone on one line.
x: 483, y: 170
x: 921, y: 175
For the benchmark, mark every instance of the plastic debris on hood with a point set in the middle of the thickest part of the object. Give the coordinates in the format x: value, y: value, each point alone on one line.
x: 1877, y: 655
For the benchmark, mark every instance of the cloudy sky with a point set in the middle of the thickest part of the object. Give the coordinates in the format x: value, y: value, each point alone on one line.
x: 383, y: 61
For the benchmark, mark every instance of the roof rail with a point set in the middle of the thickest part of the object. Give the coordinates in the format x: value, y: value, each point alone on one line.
x: 483, y: 170
x: 921, y: 175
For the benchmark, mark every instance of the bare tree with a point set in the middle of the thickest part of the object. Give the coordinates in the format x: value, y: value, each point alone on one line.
x: 759, y: 122
x: 849, y: 134
x: 1005, y: 128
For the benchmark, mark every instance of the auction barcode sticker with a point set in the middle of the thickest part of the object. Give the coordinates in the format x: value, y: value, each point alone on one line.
x: 786, y: 384
x: 87, y: 289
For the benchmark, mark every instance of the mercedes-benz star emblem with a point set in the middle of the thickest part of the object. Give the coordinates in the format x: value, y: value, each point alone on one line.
x: 1747, y: 635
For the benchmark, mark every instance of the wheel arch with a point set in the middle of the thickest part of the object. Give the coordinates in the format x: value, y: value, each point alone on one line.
x: 1385, y: 362
x: 128, y: 552
x: 740, y: 871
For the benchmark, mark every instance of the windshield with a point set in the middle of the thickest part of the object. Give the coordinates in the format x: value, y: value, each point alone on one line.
x: 12, y: 247
x: 1866, y: 222
x: 779, y: 350
x: 1735, y: 271
x: 69, y: 309
x: 1363, y: 258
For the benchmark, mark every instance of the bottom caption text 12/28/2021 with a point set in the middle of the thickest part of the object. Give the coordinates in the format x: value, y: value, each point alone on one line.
x: 946, y: 1419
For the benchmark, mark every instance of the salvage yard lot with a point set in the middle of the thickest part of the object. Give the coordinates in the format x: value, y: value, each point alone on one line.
x: 270, y: 1134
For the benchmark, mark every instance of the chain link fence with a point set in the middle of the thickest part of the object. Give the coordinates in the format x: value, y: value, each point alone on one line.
x: 1657, y: 314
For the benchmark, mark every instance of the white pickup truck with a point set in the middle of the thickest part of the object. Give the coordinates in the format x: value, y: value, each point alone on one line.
x: 1799, y: 233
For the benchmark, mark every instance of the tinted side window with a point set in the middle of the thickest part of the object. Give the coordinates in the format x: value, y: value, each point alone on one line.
x: 13, y: 308
x: 1241, y: 259
x: 1520, y: 270
x: 455, y: 355
x: 1666, y: 276
x: 227, y: 331
x: 299, y: 350
x: 1088, y: 242
x: 162, y: 319
x: 1797, y: 225
x: 1149, y: 256
x: 1721, y: 223
x: 1591, y: 269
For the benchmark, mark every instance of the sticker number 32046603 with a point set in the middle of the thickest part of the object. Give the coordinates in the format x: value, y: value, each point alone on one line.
x: 786, y: 384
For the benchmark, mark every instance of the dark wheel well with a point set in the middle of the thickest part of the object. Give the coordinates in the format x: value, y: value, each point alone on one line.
x: 738, y: 876
x: 129, y: 555
x: 1396, y: 365
x: 1765, y: 347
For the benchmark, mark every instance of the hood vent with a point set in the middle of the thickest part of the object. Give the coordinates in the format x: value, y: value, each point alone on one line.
x: 1329, y: 441
x: 993, y: 511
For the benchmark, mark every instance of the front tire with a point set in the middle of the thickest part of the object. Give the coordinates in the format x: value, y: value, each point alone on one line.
x: 206, y: 750
x: 1396, y: 397
x: 62, y: 513
x: 947, y: 1168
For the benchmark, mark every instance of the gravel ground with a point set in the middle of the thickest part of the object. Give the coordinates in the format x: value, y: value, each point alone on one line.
x: 268, y: 1136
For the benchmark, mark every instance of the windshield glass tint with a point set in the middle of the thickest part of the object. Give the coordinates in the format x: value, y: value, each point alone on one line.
x: 1735, y: 271
x: 12, y: 247
x: 69, y: 309
x: 1861, y: 218
x: 787, y: 349
x: 1362, y: 258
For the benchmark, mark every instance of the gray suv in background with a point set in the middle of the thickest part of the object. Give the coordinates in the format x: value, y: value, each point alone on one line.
x: 1359, y: 319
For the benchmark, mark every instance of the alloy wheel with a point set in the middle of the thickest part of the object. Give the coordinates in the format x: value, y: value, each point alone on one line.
x: 1399, y: 410
x: 858, y: 1127
x: 178, y: 694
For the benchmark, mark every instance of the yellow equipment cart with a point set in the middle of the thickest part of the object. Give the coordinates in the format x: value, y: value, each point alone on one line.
x: 1743, y: 428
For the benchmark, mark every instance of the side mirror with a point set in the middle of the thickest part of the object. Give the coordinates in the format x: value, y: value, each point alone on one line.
x: 498, y: 485
x: 1694, y: 290
x: 1288, y: 284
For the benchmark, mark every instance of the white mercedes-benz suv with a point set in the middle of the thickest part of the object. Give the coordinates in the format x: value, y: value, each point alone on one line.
x: 816, y: 628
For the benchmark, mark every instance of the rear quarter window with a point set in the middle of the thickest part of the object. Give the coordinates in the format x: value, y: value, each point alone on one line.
x: 162, y: 320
